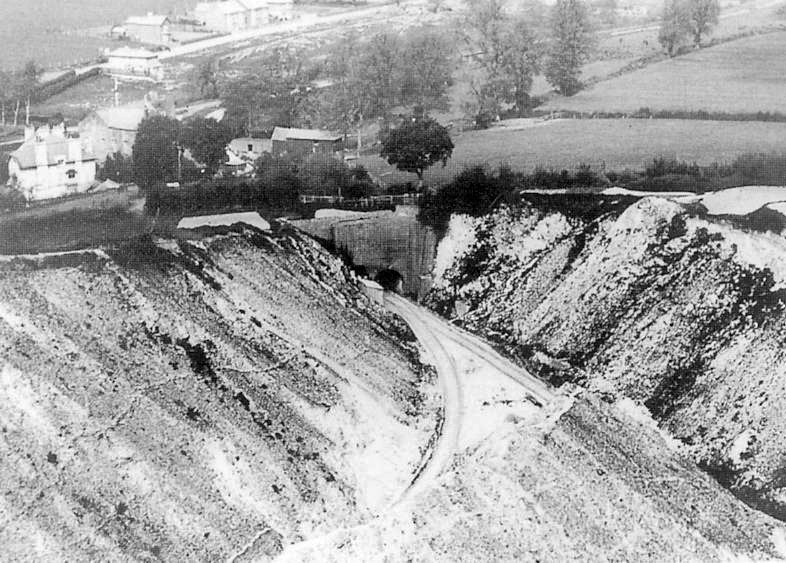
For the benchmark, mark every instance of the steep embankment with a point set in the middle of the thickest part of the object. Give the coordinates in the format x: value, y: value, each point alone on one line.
x: 677, y: 313
x: 198, y: 400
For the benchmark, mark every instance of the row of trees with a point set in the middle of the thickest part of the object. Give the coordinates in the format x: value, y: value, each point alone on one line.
x: 17, y: 89
x: 511, y: 48
x: 686, y: 20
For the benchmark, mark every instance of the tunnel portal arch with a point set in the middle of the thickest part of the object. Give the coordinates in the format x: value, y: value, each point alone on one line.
x: 390, y: 279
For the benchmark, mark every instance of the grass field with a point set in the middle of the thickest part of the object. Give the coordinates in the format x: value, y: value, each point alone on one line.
x: 619, y: 143
x: 49, y: 30
x: 748, y: 75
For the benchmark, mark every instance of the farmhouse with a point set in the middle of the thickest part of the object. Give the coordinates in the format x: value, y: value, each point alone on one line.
x: 112, y: 130
x: 139, y: 64
x: 305, y: 141
x: 228, y: 16
x: 51, y: 164
x: 152, y: 28
x: 250, y: 147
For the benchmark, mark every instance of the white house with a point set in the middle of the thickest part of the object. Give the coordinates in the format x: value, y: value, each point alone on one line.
x: 50, y: 164
x: 226, y: 16
x: 251, y: 147
x: 135, y: 64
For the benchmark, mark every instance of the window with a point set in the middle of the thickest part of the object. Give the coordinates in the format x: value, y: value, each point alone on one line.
x: 250, y: 148
x: 71, y: 174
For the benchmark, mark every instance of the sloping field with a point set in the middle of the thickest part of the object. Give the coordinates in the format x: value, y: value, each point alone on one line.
x: 619, y: 143
x: 748, y: 75
x: 54, y: 27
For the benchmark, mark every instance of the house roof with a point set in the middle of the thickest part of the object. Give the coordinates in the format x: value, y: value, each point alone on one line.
x: 56, y: 148
x: 225, y: 7
x: 284, y: 134
x: 154, y: 20
x: 130, y: 53
x: 123, y: 118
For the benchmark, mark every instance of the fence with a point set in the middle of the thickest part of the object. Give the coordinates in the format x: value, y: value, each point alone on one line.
x: 371, y: 201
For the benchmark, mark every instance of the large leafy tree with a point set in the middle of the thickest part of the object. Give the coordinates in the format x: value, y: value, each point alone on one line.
x: 702, y: 17
x: 507, y: 51
x: 275, y: 92
x: 674, y: 26
x: 207, y: 140
x: 572, y: 39
x: 156, y: 151
x: 426, y: 68
x: 206, y: 76
x: 416, y: 145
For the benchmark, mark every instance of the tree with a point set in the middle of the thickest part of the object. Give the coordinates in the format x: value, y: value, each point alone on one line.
x: 426, y: 68
x: 674, y: 26
x: 508, y: 52
x: 276, y: 95
x: 117, y: 167
x: 156, y: 152
x: 416, y: 145
x: 206, y: 78
x: 29, y: 83
x: 702, y: 17
x: 207, y: 140
x: 571, y: 43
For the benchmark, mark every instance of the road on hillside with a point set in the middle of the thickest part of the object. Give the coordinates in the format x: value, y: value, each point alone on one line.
x: 447, y: 346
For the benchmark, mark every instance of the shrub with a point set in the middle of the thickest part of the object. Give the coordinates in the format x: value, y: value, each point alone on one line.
x: 662, y: 166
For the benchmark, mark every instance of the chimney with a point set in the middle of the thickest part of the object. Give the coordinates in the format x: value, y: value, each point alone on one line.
x: 75, y: 150
x: 29, y: 133
x: 41, y: 157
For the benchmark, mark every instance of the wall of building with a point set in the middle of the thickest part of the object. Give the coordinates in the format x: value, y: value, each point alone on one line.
x: 145, y: 33
x: 47, y: 182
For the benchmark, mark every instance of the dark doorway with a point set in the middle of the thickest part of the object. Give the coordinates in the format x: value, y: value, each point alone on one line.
x: 391, y: 280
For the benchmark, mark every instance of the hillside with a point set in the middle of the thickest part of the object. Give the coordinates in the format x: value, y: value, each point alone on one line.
x: 676, y: 311
x: 192, y: 400
x: 743, y: 76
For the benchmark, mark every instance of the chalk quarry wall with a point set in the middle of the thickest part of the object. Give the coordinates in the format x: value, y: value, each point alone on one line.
x: 682, y: 315
x: 197, y: 400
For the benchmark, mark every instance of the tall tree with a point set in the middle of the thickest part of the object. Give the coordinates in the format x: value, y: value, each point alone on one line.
x: 674, y: 26
x: 156, y: 152
x: 31, y: 73
x: 206, y: 77
x: 508, y: 53
x: 416, y: 145
x: 426, y: 71
x: 207, y: 140
x: 572, y: 39
x: 702, y: 17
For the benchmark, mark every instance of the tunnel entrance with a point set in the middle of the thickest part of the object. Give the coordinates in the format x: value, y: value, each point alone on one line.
x: 390, y: 279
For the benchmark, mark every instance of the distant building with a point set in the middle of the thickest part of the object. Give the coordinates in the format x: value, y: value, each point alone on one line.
x: 139, y: 64
x: 152, y: 28
x: 112, y: 130
x: 250, y: 147
x: 51, y: 164
x: 228, y: 16
x: 300, y: 142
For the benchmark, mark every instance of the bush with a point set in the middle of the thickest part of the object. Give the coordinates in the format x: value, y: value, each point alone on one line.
x: 118, y: 167
x: 474, y: 192
x: 11, y: 199
x: 662, y: 166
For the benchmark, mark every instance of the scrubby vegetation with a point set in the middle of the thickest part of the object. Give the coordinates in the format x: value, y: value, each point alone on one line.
x: 276, y: 186
x: 476, y: 190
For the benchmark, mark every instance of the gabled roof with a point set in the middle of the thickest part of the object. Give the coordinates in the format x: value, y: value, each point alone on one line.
x: 56, y: 149
x: 123, y: 118
x: 224, y: 7
x: 130, y: 53
x: 284, y: 134
x: 154, y: 20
